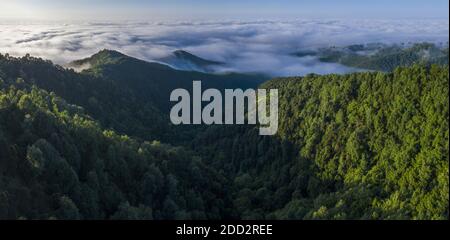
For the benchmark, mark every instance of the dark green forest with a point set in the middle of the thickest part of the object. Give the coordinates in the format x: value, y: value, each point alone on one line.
x: 99, y: 145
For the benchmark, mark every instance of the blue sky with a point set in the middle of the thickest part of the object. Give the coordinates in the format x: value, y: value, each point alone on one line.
x: 188, y: 9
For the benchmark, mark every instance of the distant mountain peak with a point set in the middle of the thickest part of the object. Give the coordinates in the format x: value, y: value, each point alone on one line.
x: 196, y: 59
x: 180, y: 52
x: 107, y: 57
x: 102, y: 57
x: 184, y: 60
x: 109, y: 53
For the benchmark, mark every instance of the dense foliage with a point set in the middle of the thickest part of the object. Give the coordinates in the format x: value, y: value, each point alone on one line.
x: 357, y: 146
x: 56, y: 162
x: 363, y: 145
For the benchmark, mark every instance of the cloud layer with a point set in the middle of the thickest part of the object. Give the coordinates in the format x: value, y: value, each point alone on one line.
x: 246, y: 46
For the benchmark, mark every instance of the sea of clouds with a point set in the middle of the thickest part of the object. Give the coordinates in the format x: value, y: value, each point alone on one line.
x: 245, y: 46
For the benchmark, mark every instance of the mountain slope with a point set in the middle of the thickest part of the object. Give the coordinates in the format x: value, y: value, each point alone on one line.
x: 155, y: 82
x: 128, y: 95
x: 57, y: 162
x: 355, y: 146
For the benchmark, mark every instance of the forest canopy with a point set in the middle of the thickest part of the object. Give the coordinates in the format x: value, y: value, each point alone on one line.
x: 90, y: 145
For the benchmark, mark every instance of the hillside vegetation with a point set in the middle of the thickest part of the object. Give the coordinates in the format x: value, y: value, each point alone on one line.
x: 98, y: 145
x: 355, y: 146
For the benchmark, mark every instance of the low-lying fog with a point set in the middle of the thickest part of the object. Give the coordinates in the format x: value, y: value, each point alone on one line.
x: 245, y: 46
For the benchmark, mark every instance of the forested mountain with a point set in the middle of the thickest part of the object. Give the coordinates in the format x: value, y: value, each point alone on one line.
x: 62, y: 155
x: 154, y: 82
x: 357, y: 146
x: 381, y: 57
x: 128, y: 95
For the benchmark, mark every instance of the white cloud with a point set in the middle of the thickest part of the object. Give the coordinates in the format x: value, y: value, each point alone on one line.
x: 245, y: 45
